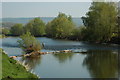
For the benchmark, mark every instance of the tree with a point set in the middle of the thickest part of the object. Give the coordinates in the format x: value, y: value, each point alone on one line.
x: 60, y: 27
x: 36, y: 27
x: 29, y: 43
x: 119, y: 8
x: 28, y: 27
x: 100, y: 21
x: 17, y: 29
x: 78, y: 33
x: 48, y: 29
x: 5, y: 31
x: 119, y: 16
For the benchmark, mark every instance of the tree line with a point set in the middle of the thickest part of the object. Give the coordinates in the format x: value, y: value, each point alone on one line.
x: 101, y: 24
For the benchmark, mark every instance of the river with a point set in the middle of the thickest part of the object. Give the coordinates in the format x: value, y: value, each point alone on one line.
x: 100, y: 61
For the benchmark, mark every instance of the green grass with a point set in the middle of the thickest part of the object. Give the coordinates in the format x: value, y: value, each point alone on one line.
x: 12, y: 69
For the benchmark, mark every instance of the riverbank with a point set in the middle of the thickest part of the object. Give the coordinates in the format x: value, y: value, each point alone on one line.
x: 12, y: 69
x: 114, y: 40
x: 2, y: 36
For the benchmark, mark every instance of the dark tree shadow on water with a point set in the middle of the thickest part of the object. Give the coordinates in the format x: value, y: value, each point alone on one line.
x: 102, y: 64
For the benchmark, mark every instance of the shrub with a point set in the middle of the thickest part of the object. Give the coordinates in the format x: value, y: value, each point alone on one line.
x: 29, y: 43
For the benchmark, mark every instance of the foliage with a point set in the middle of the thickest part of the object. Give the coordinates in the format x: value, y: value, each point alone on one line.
x: 119, y: 8
x: 36, y: 27
x: 78, y: 32
x: 29, y: 43
x: 100, y: 21
x: 17, y: 29
x: 119, y: 17
x: 60, y: 27
x: 5, y: 31
x: 48, y: 29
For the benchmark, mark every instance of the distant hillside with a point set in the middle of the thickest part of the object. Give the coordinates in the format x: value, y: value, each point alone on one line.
x: 77, y: 21
x: 7, y: 24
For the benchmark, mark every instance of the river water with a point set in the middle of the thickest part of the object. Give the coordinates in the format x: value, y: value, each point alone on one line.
x: 100, y: 61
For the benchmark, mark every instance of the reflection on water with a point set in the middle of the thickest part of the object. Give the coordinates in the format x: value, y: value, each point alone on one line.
x: 102, y: 64
x: 62, y: 57
x: 99, y: 62
x: 30, y: 63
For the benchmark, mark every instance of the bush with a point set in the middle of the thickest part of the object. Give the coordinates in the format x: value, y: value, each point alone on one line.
x: 28, y: 43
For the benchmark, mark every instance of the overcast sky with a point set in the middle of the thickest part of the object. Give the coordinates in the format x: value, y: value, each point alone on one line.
x: 55, y: 0
x: 44, y: 9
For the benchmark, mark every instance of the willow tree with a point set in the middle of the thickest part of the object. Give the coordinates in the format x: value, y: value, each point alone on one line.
x: 100, y: 21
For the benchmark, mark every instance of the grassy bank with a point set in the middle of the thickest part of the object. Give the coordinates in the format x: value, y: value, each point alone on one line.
x: 2, y: 36
x: 12, y: 69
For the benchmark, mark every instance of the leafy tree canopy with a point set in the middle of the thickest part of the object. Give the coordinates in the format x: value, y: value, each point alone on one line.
x: 100, y: 21
x: 60, y: 27
x: 17, y: 29
x: 36, y: 27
